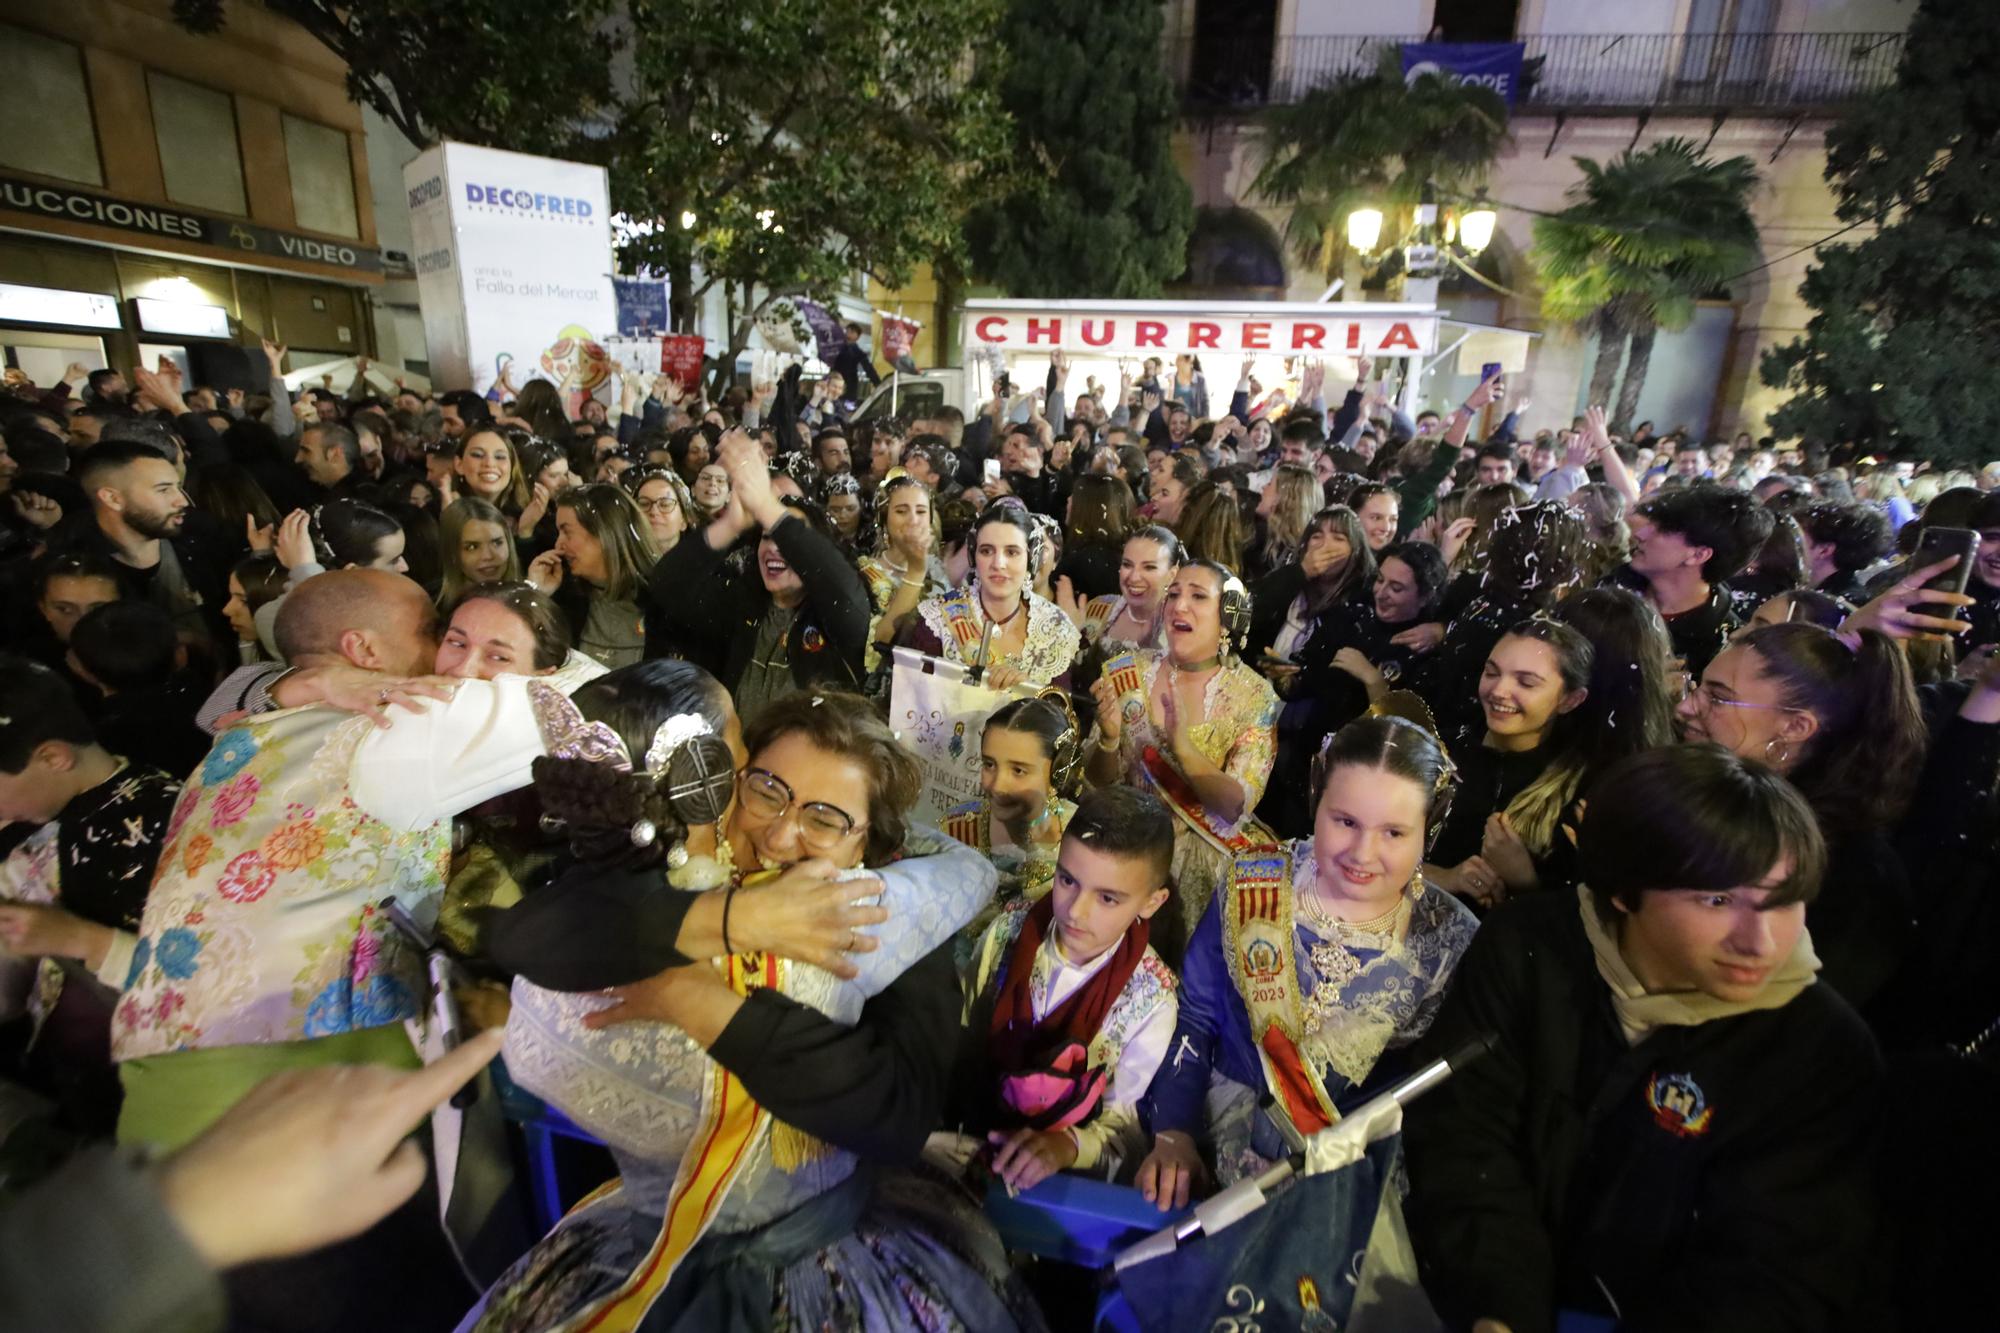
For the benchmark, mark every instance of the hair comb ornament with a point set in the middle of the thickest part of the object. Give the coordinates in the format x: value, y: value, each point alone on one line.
x: 568, y: 735
x: 1409, y: 707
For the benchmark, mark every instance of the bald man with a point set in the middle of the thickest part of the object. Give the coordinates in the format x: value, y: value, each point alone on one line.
x: 266, y: 943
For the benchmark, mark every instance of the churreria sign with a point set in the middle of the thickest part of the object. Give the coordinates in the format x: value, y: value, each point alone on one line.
x: 236, y: 239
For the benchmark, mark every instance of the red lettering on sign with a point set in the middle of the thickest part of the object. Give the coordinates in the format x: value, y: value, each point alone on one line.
x: 1040, y: 331
x: 1353, y: 337
x: 1150, y: 333
x: 1308, y: 335
x: 1399, y: 335
x: 1256, y: 337
x: 1201, y: 333
x: 988, y: 329
x: 1110, y: 331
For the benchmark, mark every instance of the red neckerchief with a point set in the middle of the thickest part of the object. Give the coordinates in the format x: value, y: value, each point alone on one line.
x: 1020, y: 1046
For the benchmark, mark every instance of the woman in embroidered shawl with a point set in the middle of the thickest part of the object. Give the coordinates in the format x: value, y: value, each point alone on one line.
x: 1195, y: 723
x: 1315, y: 962
x: 723, y: 1218
x: 999, y: 622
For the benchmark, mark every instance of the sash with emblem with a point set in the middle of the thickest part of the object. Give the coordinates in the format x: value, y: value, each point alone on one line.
x: 1258, y: 943
x: 725, y: 1138
x: 965, y: 626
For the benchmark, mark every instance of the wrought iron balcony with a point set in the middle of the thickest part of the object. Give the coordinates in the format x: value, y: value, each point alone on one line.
x: 1776, y: 72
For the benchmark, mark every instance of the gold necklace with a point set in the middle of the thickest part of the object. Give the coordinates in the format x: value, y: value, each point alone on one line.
x: 1328, y: 926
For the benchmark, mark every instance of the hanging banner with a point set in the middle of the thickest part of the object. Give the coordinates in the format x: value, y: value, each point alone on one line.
x: 1152, y: 329
x: 940, y: 718
x: 681, y: 357
x: 825, y: 328
x: 1495, y: 65
x: 642, y: 306
x: 513, y: 260
x: 898, y: 337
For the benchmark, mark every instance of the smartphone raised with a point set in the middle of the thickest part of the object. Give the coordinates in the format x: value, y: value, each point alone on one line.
x: 991, y: 468
x: 1938, y: 544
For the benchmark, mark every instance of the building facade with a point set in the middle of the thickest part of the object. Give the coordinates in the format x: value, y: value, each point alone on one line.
x: 1758, y: 78
x: 166, y: 194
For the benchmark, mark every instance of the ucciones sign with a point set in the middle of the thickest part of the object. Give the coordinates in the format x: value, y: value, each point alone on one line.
x: 1283, y: 329
x: 241, y: 242
x: 1494, y: 65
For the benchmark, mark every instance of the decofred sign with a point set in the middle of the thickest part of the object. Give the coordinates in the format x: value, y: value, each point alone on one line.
x: 1167, y: 328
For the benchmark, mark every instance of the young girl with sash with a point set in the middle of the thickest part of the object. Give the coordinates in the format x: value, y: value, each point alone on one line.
x: 1030, y: 756
x: 999, y: 623
x: 1197, y: 725
x: 724, y: 1218
x: 1315, y: 961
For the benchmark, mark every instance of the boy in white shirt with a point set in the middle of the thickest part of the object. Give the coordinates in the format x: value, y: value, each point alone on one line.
x: 1071, y: 1011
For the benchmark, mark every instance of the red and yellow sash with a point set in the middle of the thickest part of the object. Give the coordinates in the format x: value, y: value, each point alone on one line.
x: 724, y: 1138
x: 1259, y: 945
x: 1173, y: 787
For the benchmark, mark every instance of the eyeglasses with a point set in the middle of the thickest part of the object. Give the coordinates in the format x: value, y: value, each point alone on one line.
x: 1703, y: 698
x: 661, y: 504
x: 822, y: 827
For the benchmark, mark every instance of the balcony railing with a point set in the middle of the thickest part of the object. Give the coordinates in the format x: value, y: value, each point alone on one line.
x: 1607, y: 72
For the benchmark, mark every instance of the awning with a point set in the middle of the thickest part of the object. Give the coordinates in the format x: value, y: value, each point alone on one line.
x: 1473, y: 346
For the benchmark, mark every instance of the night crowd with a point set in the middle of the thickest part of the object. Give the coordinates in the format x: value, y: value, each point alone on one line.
x: 1325, y: 740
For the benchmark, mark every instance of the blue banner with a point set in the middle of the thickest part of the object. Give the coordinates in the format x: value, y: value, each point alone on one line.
x: 1495, y: 65
x: 642, y: 306
x: 1295, y: 1263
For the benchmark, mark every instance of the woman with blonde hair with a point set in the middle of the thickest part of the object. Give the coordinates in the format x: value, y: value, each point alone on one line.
x: 1284, y: 512
x: 476, y: 543
x: 605, y: 545
x: 1211, y: 527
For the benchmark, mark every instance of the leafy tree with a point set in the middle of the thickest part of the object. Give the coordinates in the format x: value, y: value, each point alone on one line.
x: 503, y: 72
x: 1643, y: 240
x: 1374, y: 139
x: 1907, y: 325
x: 769, y: 146
x: 1090, y: 202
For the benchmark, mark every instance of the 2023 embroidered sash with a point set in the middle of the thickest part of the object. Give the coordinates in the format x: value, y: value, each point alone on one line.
x: 1259, y: 946
x: 725, y: 1137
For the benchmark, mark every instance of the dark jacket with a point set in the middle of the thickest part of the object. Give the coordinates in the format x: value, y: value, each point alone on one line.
x: 1714, y: 1177
x: 1697, y: 635
x: 1091, y: 569
x: 711, y: 611
x: 875, y: 1087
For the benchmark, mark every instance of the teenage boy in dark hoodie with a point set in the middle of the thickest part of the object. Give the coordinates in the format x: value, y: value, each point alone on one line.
x: 1675, y: 1125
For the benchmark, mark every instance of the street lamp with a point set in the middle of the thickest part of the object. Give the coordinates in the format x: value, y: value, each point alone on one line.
x: 1364, y: 229
x: 1429, y: 249
x: 1475, y: 229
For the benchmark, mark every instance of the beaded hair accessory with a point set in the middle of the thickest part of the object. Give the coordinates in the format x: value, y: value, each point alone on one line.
x: 686, y: 754
x: 1410, y: 707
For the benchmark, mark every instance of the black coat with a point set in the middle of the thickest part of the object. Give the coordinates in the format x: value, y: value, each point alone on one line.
x: 1543, y: 1177
x: 711, y: 611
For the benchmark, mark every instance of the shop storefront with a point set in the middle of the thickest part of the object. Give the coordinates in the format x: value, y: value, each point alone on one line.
x: 90, y: 279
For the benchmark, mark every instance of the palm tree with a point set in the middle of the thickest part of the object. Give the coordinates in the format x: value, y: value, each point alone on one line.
x: 1642, y: 241
x: 1373, y: 139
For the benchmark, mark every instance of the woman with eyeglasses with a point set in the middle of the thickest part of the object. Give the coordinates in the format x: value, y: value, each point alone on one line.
x: 760, y: 1067
x: 1195, y: 723
x: 1837, y: 715
x: 711, y: 489
x: 598, y: 570
x: 664, y: 499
